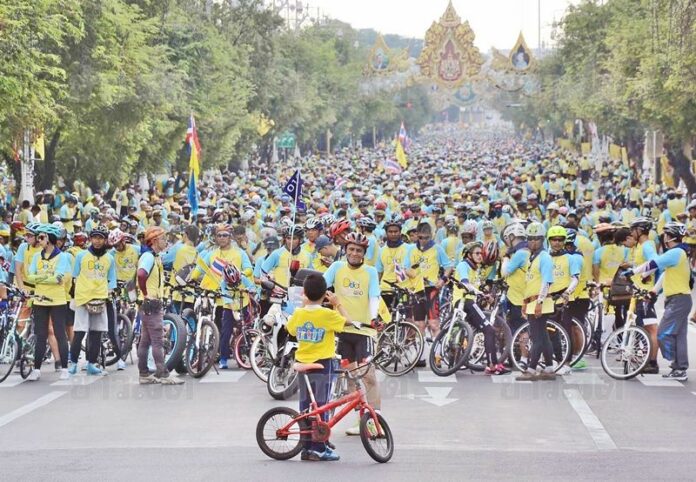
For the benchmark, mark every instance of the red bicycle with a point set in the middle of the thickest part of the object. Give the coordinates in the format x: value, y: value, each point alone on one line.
x: 281, y: 431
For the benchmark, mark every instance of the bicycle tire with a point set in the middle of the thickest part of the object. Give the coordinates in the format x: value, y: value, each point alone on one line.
x: 368, y: 438
x: 455, y: 353
x: 515, y: 350
x: 262, y: 441
x: 8, y: 354
x: 574, y: 358
x: 390, y: 352
x: 174, y: 340
x: 26, y: 357
x: 261, y: 360
x: 242, y: 349
x: 199, y: 360
x: 627, y: 370
x: 503, y: 336
x: 124, y: 333
x: 289, y: 385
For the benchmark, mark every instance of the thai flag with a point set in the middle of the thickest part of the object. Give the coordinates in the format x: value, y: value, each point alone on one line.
x: 218, y: 266
x: 403, y: 137
x: 392, y: 166
x: 399, y: 272
x: 339, y: 182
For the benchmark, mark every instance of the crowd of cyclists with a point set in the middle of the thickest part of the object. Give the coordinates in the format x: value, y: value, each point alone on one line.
x: 471, y: 208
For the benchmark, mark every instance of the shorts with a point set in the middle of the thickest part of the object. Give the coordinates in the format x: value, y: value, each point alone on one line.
x: 428, y: 305
x: 354, y: 347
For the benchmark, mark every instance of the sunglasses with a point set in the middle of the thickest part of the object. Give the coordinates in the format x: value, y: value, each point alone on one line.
x: 41, y: 237
x: 223, y: 235
x: 558, y: 240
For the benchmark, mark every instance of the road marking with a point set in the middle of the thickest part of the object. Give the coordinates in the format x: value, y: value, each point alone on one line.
x: 438, y: 396
x: 77, y: 380
x: 426, y: 376
x: 12, y: 381
x: 693, y: 393
x: 30, y: 407
x: 599, y: 435
x: 583, y: 379
x: 657, y: 381
x: 225, y: 376
x: 510, y: 378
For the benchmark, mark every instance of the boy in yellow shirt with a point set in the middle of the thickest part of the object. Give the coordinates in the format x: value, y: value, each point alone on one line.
x: 315, y: 328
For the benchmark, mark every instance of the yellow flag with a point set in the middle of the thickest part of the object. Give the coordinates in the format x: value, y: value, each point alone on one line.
x: 624, y: 156
x: 263, y: 124
x: 614, y: 151
x: 667, y: 172
x: 401, y: 155
x: 39, y: 146
x: 585, y: 148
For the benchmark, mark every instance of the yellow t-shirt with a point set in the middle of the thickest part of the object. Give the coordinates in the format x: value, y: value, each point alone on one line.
x: 354, y: 288
x: 386, y: 264
x: 92, y: 280
x: 315, y: 328
x: 57, y: 265
x: 126, y: 262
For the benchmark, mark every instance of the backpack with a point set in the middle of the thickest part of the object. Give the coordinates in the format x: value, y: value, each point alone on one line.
x: 620, y: 290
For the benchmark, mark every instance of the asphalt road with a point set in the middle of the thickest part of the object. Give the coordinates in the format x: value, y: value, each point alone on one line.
x: 468, y: 426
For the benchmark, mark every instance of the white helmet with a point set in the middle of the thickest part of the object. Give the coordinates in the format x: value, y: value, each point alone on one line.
x: 470, y: 227
x: 513, y: 231
x: 536, y: 230
x: 553, y: 206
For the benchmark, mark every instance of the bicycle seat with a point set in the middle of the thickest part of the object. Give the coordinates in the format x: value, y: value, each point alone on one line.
x: 306, y: 367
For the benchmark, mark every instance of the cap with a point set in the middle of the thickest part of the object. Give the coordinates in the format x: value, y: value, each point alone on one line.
x: 322, y: 242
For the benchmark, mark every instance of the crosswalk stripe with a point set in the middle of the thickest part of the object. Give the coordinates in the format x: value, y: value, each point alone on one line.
x: 599, y: 435
x: 657, y: 381
x: 225, y: 376
x: 77, y: 380
x: 30, y: 407
x: 12, y: 381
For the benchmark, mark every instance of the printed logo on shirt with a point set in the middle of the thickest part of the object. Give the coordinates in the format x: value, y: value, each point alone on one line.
x: 351, y: 288
x: 308, y: 333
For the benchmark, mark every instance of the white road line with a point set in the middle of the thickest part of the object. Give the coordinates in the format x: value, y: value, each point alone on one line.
x: 656, y: 380
x: 426, y: 376
x: 509, y: 379
x: 225, y: 376
x: 77, y: 380
x: 12, y: 381
x: 599, y: 435
x: 30, y: 407
x: 578, y: 378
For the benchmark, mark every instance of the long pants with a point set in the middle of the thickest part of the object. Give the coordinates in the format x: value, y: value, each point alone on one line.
x: 42, y: 314
x: 576, y: 309
x: 152, y: 333
x: 228, y: 324
x: 673, y: 332
x: 320, y: 381
x: 113, y: 330
x: 93, y: 345
x: 477, y: 319
x: 541, y: 342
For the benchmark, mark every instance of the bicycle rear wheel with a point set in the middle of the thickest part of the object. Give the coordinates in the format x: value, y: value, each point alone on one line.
x: 626, y: 352
x: 275, y: 445
x: 26, y: 357
x: 399, y: 347
x: 520, y: 346
x: 451, y: 349
x: 124, y: 335
x: 379, y: 447
x: 581, y: 330
x: 8, y: 354
x: 242, y: 348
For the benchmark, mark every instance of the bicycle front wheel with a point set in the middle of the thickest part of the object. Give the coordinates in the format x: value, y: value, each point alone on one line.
x: 277, y: 445
x: 201, y: 353
x: 241, y: 347
x: 8, y: 354
x: 399, y: 347
x: 579, y: 334
x: 378, y: 446
x: 451, y: 349
x: 626, y: 352
x: 260, y: 358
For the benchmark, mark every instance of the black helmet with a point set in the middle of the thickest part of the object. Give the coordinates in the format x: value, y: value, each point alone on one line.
x: 99, y: 230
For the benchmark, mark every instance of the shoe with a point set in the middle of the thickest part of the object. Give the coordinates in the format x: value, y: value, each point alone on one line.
x: 564, y: 370
x: 34, y: 375
x: 171, y: 381
x: 420, y: 364
x: 652, y: 368
x: 527, y: 376
x: 57, y: 366
x: 72, y: 369
x: 304, y: 455
x: 679, y: 375
x: 581, y: 364
x: 327, y: 456
x: 354, y: 430
x: 64, y: 374
x: 93, y: 369
x: 120, y: 365
x: 524, y: 364
x: 501, y: 369
x: 223, y: 364
x: 547, y: 375
x: 147, y: 380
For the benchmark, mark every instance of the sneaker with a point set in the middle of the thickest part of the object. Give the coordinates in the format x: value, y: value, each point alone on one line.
x: 679, y: 375
x: 223, y: 364
x: 581, y: 364
x: 527, y: 376
x: 652, y: 368
x: 501, y: 369
x: 547, y: 375
x: 420, y: 364
x: 93, y: 369
x: 64, y: 374
x: 354, y: 430
x: 34, y: 375
x: 304, y: 455
x: 524, y: 364
x: 120, y: 365
x: 72, y: 369
x: 56, y: 366
x: 327, y: 456
x: 147, y: 380
x: 171, y: 381
x: 564, y: 370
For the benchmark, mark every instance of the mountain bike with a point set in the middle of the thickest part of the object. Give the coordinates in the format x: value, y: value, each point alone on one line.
x: 280, y: 431
x: 495, y: 293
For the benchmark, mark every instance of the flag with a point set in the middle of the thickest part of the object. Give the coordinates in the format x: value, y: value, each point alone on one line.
x: 340, y: 182
x: 194, y: 167
x: 399, y: 272
x: 402, y: 134
x: 401, y: 155
x: 218, y: 266
x: 293, y: 188
x: 392, y: 166
x: 263, y: 124
x: 39, y: 146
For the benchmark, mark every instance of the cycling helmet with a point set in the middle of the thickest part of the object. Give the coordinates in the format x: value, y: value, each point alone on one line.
x: 571, y: 235
x: 80, y: 239
x: 99, y: 230
x: 556, y: 232
x: 380, y: 206
x: 553, y: 206
x: 490, y: 252
x: 367, y: 222
x: 357, y: 238
x: 643, y: 223
x: 232, y: 275
x: 17, y: 226
x: 49, y: 229
x: 692, y: 205
x: 470, y: 227
x: 313, y: 223
x: 340, y: 226
x: 327, y: 220
x: 601, y: 204
x: 394, y: 220
x: 470, y: 246
x: 603, y: 228
x: 115, y: 237
x: 271, y: 243
x: 675, y: 230
x: 487, y: 224
x: 535, y: 230
x: 32, y: 228
x: 513, y: 231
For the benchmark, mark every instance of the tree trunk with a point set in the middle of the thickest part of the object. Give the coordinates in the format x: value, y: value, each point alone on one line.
x: 680, y: 159
x: 46, y: 176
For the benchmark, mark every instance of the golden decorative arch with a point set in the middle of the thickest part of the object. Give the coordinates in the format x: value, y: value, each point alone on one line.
x: 383, y: 60
x: 521, y: 58
x: 449, y: 57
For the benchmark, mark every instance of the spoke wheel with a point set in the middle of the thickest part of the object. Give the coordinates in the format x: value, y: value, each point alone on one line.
x: 275, y: 445
x: 626, y: 352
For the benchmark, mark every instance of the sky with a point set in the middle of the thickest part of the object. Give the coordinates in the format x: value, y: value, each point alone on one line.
x: 496, y: 23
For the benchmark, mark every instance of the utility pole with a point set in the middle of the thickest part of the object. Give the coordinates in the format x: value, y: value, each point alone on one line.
x: 539, y: 26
